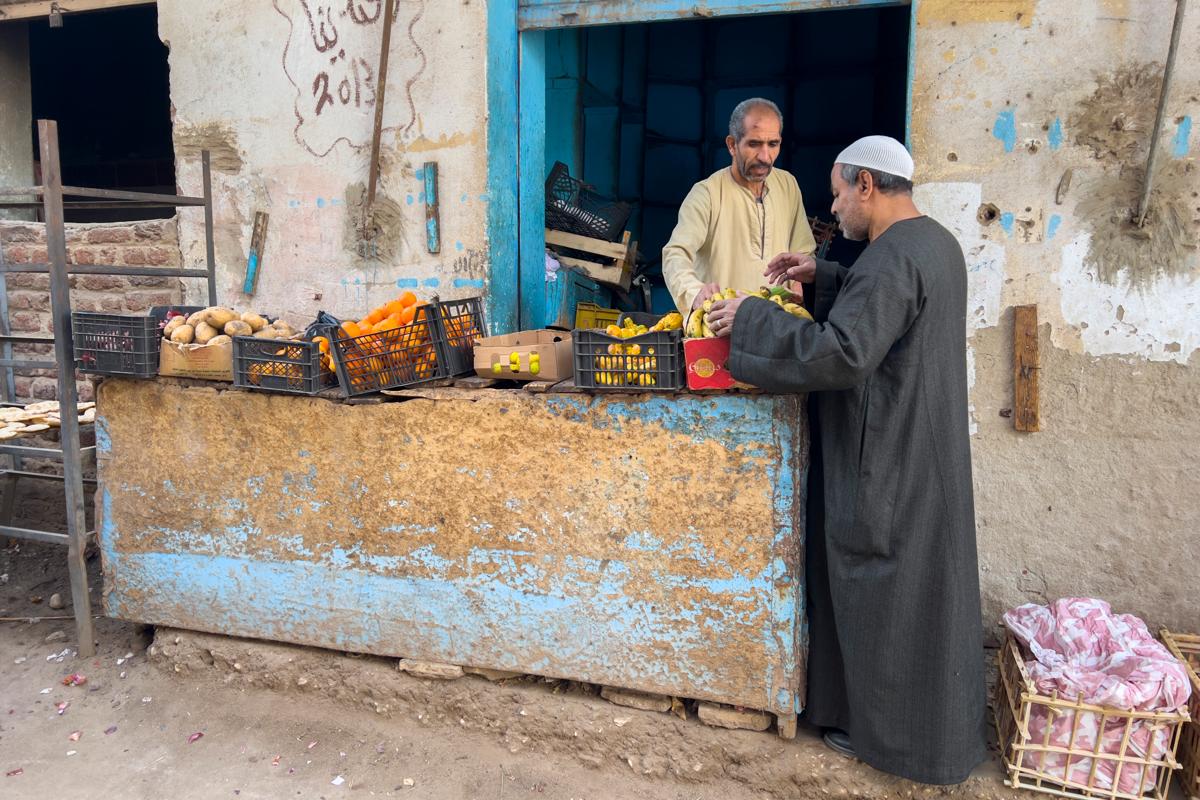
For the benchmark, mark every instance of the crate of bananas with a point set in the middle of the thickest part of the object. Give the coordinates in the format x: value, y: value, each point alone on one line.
x: 632, y: 356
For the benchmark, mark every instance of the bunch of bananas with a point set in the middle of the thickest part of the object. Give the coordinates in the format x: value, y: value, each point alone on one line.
x: 697, y: 327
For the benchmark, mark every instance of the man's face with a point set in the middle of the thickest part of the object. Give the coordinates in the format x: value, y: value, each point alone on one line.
x: 755, y: 154
x: 848, y: 210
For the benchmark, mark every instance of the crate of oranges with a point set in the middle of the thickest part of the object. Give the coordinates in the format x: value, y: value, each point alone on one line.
x: 406, y: 341
x: 294, y: 366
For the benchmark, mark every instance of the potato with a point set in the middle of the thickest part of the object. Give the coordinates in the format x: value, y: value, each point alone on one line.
x: 256, y: 322
x: 267, y: 333
x: 284, y: 329
x: 196, y: 318
x: 222, y: 339
x: 235, y: 327
x: 219, y: 317
x: 205, y: 333
x: 183, y: 334
x: 172, y: 324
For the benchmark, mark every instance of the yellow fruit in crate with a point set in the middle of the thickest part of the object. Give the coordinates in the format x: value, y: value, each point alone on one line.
x: 613, y: 330
x: 633, y: 349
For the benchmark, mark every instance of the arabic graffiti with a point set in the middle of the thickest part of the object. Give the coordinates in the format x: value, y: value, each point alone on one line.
x: 331, y: 57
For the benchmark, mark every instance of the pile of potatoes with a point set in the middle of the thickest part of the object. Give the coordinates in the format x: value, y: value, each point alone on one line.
x: 217, y: 325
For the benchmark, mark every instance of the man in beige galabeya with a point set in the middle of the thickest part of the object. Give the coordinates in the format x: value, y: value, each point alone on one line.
x: 733, y: 222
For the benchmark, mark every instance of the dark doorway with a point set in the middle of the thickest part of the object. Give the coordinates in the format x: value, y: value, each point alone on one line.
x: 641, y: 111
x: 104, y: 77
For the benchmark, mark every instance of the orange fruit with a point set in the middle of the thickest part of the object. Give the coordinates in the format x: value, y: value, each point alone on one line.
x: 408, y: 299
x: 351, y: 329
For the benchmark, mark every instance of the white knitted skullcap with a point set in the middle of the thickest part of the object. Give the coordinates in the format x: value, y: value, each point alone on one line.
x: 881, y: 153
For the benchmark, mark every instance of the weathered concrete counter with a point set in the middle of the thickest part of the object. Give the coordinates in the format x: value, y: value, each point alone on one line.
x: 645, y: 542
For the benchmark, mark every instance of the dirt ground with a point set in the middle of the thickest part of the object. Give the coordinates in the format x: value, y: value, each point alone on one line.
x: 282, y: 721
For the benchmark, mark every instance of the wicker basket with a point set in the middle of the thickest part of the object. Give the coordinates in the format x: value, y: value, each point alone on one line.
x: 1186, y: 648
x: 1050, y: 744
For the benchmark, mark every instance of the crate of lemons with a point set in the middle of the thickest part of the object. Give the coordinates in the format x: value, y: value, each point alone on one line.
x: 642, y: 357
x: 697, y: 324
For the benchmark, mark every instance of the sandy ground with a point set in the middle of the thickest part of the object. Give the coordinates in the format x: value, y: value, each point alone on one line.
x: 191, y: 715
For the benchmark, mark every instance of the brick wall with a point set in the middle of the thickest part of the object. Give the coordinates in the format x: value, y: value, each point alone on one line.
x: 134, y: 244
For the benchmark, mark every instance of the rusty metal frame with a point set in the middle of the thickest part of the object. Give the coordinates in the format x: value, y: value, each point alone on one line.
x: 51, y: 199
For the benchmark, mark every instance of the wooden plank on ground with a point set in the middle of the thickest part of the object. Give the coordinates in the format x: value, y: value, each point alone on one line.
x: 1026, y: 416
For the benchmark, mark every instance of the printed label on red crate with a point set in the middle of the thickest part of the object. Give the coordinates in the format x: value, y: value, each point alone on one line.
x: 705, y: 361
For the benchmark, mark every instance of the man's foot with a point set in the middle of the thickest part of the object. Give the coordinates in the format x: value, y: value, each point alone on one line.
x: 840, y: 741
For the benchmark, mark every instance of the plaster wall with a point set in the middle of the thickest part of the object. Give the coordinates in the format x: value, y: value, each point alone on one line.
x: 1030, y: 127
x: 16, y: 156
x: 283, y: 95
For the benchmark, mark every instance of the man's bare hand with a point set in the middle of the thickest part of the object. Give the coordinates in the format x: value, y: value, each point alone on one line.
x: 784, y: 267
x: 706, y: 291
x: 720, y: 317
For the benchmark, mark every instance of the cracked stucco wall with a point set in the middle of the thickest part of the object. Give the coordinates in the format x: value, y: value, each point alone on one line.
x: 282, y: 94
x: 1031, y: 123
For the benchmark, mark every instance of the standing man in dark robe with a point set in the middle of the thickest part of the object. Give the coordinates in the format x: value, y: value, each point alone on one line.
x: 896, y: 640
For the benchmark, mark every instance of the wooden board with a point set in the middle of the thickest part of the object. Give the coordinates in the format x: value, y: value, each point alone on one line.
x: 1025, y: 369
x: 619, y: 273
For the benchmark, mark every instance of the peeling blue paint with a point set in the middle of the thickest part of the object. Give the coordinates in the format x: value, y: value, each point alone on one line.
x: 465, y: 283
x: 1052, y: 225
x: 1006, y: 222
x: 1005, y: 129
x: 320, y: 202
x: 1056, y: 134
x: 1180, y: 145
x: 407, y: 283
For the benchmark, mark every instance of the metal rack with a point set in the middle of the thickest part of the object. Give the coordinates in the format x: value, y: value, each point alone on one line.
x: 70, y: 452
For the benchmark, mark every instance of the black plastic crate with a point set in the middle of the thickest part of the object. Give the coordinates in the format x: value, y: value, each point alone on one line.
x: 460, y: 323
x: 573, y: 207
x: 651, y: 362
x: 404, y: 356
x: 120, y: 344
x: 280, y: 365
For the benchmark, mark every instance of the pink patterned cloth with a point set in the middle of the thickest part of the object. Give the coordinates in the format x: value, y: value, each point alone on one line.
x: 1083, y: 650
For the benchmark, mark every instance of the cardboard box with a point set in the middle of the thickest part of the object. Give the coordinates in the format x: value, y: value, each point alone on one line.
x: 705, y: 361
x: 209, y: 362
x: 552, y: 348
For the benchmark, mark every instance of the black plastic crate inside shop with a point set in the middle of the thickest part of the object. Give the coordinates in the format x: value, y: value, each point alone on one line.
x: 651, y: 362
x: 573, y: 207
x: 120, y: 344
x: 460, y: 323
x: 405, y: 356
x: 278, y: 365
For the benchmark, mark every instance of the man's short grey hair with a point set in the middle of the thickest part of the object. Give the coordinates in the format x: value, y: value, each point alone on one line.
x: 737, y: 120
x: 885, y: 182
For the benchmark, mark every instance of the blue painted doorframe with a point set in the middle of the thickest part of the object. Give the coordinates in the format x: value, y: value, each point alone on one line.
x: 517, y: 125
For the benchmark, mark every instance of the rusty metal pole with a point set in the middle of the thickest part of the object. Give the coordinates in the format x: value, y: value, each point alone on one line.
x: 381, y: 88
x: 1168, y: 73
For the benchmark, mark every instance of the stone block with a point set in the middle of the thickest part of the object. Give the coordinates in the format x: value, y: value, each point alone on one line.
x: 492, y: 675
x: 430, y: 669
x: 720, y: 716
x: 640, y: 700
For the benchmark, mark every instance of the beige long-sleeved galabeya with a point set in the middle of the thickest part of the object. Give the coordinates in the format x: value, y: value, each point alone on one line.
x: 726, y: 236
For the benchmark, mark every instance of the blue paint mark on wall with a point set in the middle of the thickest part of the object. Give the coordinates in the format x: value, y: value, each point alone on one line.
x: 458, y: 246
x: 472, y: 283
x: 293, y: 203
x: 1056, y: 134
x: 1006, y: 222
x: 464, y: 197
x: 409, y: 199
x: 407, y: 283
x: 420, y: 173
x: 320, y: 202
x: 1179, y: 145
x: 431, y: 283
x: 1052, y: 226
x: 1005, y: 129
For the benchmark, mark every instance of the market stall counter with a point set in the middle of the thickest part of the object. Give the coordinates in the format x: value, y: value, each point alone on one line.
x: 648, y: 542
